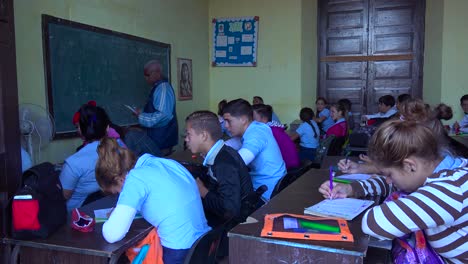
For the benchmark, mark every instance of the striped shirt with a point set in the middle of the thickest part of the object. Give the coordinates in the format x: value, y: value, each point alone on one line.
x: 163, y: 102
x: 439, y: 207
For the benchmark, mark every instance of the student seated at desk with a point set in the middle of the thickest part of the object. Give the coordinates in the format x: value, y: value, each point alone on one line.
x: 386, y: 109
x: 259, y: 150
x: 162, y: 190
x: 263, y: 114
x: 414, y: 110
x: 77, y: 175
x: 323, y: 118
x: 309, y: 134
x: 462, y: 126
x: 340, y: 127
x: 433, y: 200
x: 229, y: 178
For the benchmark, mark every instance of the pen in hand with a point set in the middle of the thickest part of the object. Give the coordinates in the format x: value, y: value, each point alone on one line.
x: 331, y: 182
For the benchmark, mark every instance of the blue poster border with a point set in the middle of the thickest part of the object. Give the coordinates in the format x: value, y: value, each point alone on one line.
x: 235, y: 41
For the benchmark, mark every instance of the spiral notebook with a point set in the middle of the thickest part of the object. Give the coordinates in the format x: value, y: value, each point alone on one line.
x: 347, y: 208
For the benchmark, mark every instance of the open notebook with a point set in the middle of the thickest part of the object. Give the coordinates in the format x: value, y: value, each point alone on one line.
x: 347, y: 208
x: 102, y: 215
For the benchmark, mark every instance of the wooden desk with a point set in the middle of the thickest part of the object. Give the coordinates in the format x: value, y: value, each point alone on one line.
x: 246, y: 245
x: 460, y: 144
x: 192, y: 162
x: 70, y: 246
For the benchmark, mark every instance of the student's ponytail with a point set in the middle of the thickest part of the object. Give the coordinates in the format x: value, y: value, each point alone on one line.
x: 306, y: 115
x: 114, y: 162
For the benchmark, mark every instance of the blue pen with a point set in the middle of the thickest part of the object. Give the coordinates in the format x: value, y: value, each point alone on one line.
x: 331, y: 180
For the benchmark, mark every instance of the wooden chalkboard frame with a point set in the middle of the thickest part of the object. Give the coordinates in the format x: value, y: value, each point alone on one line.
x: 46, y: 20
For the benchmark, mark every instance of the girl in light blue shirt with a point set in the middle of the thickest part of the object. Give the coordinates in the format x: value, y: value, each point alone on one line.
x: 162, y: 190
x: 309, y: 134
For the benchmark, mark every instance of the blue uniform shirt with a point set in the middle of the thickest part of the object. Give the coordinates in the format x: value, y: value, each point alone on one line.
x: 268, y: 166
x: 167, y: 196
x: 78, y: 174
x: 328, y: 122
x: 307, y: 135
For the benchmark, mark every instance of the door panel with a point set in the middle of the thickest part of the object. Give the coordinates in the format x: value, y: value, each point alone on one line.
x: 343, y: 27
x: 381, y: 38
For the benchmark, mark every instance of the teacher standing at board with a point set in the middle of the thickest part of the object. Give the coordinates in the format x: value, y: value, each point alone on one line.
x: 159, y: 115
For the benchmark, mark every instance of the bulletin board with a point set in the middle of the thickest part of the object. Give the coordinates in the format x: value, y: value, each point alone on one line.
x: 235, y: 41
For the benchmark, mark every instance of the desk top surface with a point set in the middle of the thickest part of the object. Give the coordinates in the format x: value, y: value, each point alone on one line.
x: 463, y: 139
x: 299, y: 195
x: 187, y: 157
x: 92, y: 243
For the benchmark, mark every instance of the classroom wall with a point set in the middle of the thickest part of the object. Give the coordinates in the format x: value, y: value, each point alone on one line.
x: 181, y: 23
x: 286, y: 48
x: 446, y: 53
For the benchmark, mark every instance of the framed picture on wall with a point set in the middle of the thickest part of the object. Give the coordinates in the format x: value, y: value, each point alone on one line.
x: 184, y: 78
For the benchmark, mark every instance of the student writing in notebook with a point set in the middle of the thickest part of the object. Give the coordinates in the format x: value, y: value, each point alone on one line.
x: 162, y: 190
x: 408, y: 155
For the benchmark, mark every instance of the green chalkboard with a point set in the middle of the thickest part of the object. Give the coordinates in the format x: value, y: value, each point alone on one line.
x: 85, y: 63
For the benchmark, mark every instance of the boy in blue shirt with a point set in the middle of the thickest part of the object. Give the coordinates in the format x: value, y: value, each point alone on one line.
x: 259, y: 150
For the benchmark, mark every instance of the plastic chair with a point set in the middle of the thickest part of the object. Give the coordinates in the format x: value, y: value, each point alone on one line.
x: 283, y: 183
x: 205, y: 248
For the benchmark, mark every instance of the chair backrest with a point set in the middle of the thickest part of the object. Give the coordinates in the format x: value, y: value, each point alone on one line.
x: 336, y: 146
x: 249, y: 204
x: 205, y: 247
x: 322, y: 149
x: 283, y: 183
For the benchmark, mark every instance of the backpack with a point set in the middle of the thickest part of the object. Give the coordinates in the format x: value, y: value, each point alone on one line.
x: 412, y: 248
x: 38, y: 207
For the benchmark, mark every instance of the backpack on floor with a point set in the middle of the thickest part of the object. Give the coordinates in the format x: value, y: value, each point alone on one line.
x: 38, y: 207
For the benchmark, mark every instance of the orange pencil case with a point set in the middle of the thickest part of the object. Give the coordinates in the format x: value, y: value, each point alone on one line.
x: 294, y: 226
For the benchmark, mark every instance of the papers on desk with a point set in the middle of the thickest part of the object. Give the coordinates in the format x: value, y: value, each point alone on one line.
x: 102, y: 215
x: 354, y: 177
x: 347, y: 208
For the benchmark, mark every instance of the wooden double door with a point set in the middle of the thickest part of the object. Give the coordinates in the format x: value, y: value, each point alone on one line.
x: 370, y: 48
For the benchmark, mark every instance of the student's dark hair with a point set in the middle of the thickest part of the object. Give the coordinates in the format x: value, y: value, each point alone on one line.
x: 205, y: 121
x: 238, y: 108
x: 93, y: 122
x: 221, y: 106
x: 443, y: 112
x: 114, y: 162
x: 321, y: 98
x: 307, y: 115
x: 463, y: 98
x: 263, y: 110
x: 403, y: 98
x: 346, y: 103
x: 258, y: 98
x: 396, y: 140
x: 387, y: 100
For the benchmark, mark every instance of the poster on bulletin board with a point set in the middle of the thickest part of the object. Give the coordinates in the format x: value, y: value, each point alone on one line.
x: 235, y: 41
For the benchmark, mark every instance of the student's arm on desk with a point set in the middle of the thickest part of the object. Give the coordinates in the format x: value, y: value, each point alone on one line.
x: 374, y: 186
x: 405, y: 215
x: 118, y: 224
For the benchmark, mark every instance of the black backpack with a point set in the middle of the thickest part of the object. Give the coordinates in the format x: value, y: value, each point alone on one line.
x: 38, y: 207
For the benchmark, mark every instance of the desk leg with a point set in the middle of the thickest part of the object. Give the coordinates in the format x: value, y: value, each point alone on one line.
x: 114, y: 259
x: 14, y: 254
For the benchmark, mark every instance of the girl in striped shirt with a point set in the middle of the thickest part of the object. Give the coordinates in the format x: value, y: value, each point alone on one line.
x: 407, y: 155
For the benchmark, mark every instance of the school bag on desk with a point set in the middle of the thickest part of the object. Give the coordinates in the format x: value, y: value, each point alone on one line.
x: 38, y: 207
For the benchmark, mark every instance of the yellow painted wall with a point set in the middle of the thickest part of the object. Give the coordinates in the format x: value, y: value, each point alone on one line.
x: 446, y: 53
x: 454, y: 81
x: 278, y: 77
x: 286, y: 75
x: 181, y: 23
